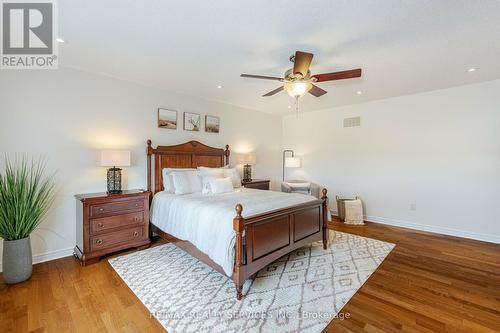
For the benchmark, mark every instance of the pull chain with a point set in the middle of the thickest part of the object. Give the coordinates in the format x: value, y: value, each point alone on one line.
x: 297, y: 107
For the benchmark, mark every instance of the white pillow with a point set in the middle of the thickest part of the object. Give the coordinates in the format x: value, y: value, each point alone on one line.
x: 223, y: 172
x: 186, y: 182
x: 205, y: 185
x: 168, y: 185
x: 299, y: 185
x: 234, y: 175
x: 220, y: 185
x: 211, y: 172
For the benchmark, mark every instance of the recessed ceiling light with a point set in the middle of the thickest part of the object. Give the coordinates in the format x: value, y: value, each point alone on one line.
x: 60, y: 40
x: 219, y: 86
x: 470, y: 70
x: 359, y: 92
x: 289, y: 106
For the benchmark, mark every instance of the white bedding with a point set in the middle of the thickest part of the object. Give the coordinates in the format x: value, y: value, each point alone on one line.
x: 207, y: 220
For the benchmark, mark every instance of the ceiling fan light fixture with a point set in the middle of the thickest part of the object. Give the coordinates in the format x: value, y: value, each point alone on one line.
x: 297, y: 88
x: 298, y: 81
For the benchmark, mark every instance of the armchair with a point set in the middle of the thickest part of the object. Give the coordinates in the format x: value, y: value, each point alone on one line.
x: 301, y: 186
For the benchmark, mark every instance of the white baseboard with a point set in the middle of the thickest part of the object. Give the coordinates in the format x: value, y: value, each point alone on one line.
x: 430, y: 228
x: 434, y: 229
x: 51, y: 255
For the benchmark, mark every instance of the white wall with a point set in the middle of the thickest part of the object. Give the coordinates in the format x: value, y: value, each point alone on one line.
x: 438, y: 150
x: 68, y: 115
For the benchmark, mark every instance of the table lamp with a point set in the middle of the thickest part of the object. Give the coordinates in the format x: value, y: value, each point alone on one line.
x: 115, y: 159
x: 247, y: 159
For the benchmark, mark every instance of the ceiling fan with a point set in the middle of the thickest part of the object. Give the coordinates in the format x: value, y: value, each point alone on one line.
x: 298, y: 80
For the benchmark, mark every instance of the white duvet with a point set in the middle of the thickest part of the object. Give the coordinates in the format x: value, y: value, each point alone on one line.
x: 207, y: 220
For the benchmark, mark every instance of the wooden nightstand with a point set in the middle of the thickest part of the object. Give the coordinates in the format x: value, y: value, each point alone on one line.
x: 108, y: 223
x: 260, y: 184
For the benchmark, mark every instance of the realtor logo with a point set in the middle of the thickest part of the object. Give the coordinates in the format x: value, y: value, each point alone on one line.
x: 28, y: 34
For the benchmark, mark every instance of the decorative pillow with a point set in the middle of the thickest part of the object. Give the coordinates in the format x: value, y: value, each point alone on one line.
x: 299, y: 185
x: 220, y: 185
x: 186, y: 182
x: 168, y: 185
x: 205, y: 185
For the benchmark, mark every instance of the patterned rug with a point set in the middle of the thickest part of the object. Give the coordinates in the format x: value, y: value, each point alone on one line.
x: 301, y: 292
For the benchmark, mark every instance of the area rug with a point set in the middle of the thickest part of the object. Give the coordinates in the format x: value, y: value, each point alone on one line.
x: 301, y: 292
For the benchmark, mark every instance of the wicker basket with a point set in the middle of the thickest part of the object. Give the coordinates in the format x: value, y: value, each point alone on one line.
x: 341, y: 206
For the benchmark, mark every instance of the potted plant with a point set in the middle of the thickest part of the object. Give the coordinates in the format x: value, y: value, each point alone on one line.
x: 25, y: 197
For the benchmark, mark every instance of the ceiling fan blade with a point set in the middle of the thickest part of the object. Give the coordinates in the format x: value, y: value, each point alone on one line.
x: 275, y: 91
x: 338, y: 75
x: 262, y: 77
x: 317, y: 91
x: 301, y: 62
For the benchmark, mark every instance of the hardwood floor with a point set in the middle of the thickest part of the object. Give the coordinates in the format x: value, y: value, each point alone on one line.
x: 429, y: 283
x: 63, y: 296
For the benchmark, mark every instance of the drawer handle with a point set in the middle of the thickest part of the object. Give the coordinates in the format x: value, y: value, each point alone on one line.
x: 101, y: 209
x: 100, y: 225
x: 98, y: 241
x: 136, y: 234
x: 136, y: 219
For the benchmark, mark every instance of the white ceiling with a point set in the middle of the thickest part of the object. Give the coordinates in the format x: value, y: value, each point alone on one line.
x: 403, y: 46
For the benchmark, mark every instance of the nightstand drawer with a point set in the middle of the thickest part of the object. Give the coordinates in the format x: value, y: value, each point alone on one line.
x: 113, y: 238
x: 113, y: 207
x: 105, y: 223
x: 259, y: 186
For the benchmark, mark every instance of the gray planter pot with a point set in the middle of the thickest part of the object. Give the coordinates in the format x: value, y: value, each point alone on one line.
x: 17, y: 260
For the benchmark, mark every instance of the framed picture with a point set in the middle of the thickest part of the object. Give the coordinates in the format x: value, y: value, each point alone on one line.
x: 212, y: 124
x: 192, y: 121
x: 167, y: 118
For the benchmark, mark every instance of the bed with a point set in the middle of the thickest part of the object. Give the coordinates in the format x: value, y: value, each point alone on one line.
x: 235, y: 233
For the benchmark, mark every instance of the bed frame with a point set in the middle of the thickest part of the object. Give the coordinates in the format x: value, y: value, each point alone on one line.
x: 260, y: 239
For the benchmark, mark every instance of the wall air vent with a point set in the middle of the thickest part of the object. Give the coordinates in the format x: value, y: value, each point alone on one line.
x: 352, y: 122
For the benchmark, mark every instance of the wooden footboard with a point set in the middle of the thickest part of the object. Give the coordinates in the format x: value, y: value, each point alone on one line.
x: 261, y: 239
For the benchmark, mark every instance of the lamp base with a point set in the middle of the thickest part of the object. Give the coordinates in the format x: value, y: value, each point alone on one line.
x: 114, y: 192
x: 247, y: 173
x: 114, y: 180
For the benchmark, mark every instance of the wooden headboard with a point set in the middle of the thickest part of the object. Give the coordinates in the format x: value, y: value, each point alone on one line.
x: 191, y: 154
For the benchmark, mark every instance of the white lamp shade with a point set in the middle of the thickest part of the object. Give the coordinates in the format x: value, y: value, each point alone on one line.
x: 118, y: 158
x: 248, y: 158
x: 292, y: 162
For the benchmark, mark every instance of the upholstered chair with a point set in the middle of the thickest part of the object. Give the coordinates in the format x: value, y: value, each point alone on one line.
x: 301, y: 186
